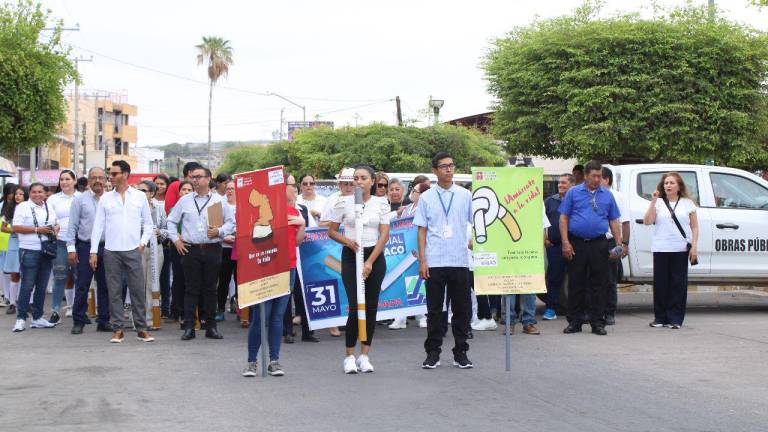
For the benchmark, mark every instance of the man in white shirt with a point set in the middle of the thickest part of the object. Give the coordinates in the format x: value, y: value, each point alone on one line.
x: 122, y: 216
x: 615, y: 263
x: 200, y: 250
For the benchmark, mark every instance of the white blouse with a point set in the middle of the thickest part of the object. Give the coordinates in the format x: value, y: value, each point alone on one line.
x: 666, y: 236
x: 376, y: 212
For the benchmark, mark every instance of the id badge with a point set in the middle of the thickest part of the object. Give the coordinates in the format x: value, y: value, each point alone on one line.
x: 447, y: 232
x: 202, y: 227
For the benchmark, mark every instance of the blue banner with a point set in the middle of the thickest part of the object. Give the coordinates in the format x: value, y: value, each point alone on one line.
x: 402, y: 291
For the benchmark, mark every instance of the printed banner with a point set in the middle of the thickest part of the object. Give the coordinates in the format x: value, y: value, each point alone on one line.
x: 263, y: 258
x: 507, y: 211
x: 402, y: 292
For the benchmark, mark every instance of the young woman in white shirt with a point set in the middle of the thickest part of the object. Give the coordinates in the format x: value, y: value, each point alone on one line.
x: 671, y: 250
x: 375, y: 234
x: 63, y: 273
x: 309, y: 197
x: 35, y: 223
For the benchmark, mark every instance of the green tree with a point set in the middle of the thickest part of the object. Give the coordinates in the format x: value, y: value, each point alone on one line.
x: 34, y: 71
x: 678, y: 87
x: 217, y: 54
x: 324, y: 151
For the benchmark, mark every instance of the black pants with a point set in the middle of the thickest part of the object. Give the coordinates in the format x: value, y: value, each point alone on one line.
x: 177, y: 287
x: 372, y: 290
x: 612, y: 292
x: 298, y: 302
x: 227, y: 269
x: 201, y: 272
x: 485, y: 303
x: 588, y: 280
x: 453, y: 281
x: 165, y: 282
x: 670, y: 286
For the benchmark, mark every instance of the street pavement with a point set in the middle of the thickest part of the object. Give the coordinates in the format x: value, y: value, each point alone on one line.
x: 709, y: 376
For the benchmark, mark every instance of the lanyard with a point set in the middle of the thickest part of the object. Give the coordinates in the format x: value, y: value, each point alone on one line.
x: 200, y: 210
x: 450, y: 203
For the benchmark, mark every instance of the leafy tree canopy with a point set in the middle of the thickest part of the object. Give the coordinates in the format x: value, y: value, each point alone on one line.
x: 34, y: 71
x: 678, y: 87
x: 323, y: 152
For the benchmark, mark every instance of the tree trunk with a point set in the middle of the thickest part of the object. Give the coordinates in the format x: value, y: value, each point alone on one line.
x: 210, y: 104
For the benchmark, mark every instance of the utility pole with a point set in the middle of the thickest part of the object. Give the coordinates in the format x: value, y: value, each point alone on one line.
x: 85, y: 153
x: 76, y: 141
x: 303, y: 107
x: 711, y: 8
x: 399, y: 111
x: 282, y: 110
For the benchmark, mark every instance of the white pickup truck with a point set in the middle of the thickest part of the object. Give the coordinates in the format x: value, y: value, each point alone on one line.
x: 732, y: 214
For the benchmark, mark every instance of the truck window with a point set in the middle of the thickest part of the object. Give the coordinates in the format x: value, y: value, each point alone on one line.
x: 733, y: 191
x: 647, y: 182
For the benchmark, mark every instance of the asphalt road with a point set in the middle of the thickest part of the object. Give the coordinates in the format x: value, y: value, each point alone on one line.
x: 709, y: 376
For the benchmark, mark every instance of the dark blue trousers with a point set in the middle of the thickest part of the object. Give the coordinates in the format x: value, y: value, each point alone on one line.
x: 83, y: 284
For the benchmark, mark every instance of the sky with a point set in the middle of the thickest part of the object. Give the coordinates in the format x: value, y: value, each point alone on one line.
x: 345, y: 61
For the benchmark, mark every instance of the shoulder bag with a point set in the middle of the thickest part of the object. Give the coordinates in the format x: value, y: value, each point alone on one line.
x: 679, y: 227
x: 47, y: 247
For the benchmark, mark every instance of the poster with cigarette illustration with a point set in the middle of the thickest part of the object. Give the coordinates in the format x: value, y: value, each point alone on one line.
x: 508, y: 240
x: 263, y: 260
x: 402, y: 291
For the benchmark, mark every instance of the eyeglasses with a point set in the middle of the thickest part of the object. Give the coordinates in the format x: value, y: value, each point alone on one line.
x: 198, y: 177
x: 307, y: 183
x: 446, y: 166
x: 381, y: 185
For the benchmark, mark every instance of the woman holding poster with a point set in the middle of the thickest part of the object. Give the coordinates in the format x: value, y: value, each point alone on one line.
x: 374, y: 224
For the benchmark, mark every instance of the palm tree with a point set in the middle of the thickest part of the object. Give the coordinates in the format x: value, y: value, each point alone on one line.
x: 218, y: 54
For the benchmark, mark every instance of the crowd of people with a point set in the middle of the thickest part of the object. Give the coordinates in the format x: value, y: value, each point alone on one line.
x: 154, y: 245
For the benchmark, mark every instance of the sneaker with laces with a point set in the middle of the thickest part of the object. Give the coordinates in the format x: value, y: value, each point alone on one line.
x: 117, y: 336
x: 54, y: 317
x: 42, y: 323
x: 251, y: 370
x: 398, y: 324
x: 655, y: 324
x: 461, y: 360
x: 364, y: 364
x: 144, y: 336
x: 19, y: 326
x: 69, y: 313
x: 350, y: 366
x: 432, y: 361
x: 549, y: 314
x: 274, y: 369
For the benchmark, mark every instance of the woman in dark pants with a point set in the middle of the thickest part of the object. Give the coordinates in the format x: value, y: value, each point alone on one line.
x: 228, y: 265
x: 673, y: 247
x: 178, y: 285
x: 161, y: 182
x: 375, y: 234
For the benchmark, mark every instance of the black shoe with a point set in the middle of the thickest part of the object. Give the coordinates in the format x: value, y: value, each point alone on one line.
x: 572, y: 328
x: 11, y: 310
x: 213, y: 333
x: 182, y: 325
x: 599, y: 330
x: 432, y: 361
x: 101, y: 327
x: 288, y: 339
x: 610, y: 319
x: 188, y: 334
x: 310, y: 338
x: 461, y: 360
x: 77, y: 329
x: 470, y: 335
x: 55, y: 318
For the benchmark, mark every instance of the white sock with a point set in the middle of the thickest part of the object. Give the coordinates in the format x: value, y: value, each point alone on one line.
x: 14, y: 289
x: 69, y: 294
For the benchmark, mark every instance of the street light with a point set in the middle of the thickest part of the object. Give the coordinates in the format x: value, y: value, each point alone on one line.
x: 436, y: 104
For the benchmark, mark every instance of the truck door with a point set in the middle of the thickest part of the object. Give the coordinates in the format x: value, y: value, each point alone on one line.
x: 739, y: 216
x: 642, y: 236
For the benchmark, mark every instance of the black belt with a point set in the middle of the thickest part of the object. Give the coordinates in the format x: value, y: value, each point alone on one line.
x: 88, y: 242
x: 204, y: 245
x: 587, y: 240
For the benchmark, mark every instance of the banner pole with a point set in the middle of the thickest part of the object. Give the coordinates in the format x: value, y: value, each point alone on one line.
x: 509, y: 336
x: 263, y: 324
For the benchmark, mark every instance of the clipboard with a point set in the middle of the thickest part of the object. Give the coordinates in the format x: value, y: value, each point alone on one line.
x: 215, y: 215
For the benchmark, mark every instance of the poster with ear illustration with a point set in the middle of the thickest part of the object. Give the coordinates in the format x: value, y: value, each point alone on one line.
x: 263, y: 258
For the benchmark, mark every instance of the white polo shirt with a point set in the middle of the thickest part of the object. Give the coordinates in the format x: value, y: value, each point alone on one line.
x: 23, y: 217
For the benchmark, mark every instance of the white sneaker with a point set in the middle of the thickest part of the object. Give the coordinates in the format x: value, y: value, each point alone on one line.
x: 422, y: 321
x: 19, y: 326
x: 478, y: 325
x: 41, y: 323
x: 69, y: 312
x: 350, y: 367
x: 363, y: 364
x: 490, y: 324
x: 398, y: 324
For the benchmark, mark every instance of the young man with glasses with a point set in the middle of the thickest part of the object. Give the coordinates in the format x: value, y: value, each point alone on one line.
x: 443, y: 215
x: 125, y: 211
x: 586, y: 213
x: 200, y: 250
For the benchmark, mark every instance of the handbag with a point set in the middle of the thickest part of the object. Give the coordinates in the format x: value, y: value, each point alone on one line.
x: 680, y: 227
x: 47, y: 247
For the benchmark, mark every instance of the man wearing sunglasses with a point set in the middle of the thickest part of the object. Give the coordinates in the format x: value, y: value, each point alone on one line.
x: 586, y: 213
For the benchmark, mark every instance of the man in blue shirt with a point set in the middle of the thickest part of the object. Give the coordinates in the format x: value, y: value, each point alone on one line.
x: 586, y: 213
x: 443, y: 214
x: 553, y: 244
